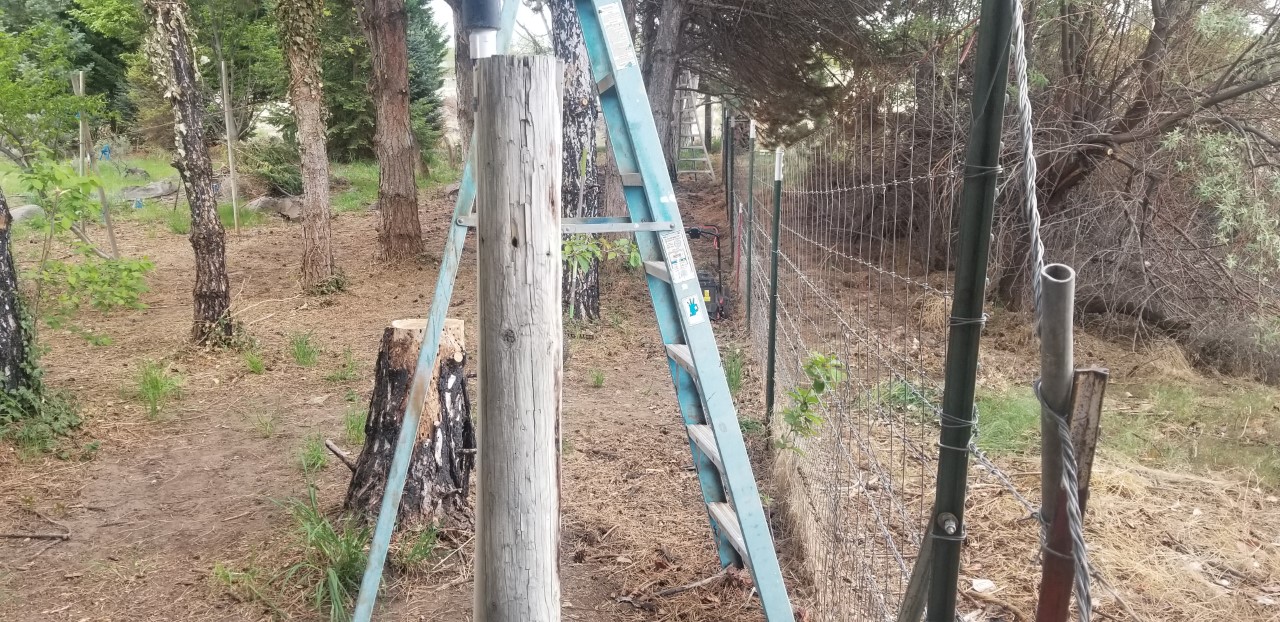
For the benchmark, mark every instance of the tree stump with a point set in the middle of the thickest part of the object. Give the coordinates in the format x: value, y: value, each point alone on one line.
x: 437, y: 487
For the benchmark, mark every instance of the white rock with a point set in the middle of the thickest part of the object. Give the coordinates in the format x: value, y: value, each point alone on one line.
x: 25, y: 212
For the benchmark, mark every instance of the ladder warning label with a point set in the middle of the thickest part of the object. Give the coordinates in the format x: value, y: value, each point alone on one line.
x: 616, y: 35
x: 679, y: 263
x: 692, y: 308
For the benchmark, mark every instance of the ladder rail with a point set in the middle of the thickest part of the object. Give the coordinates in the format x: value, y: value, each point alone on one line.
x: 626, y: 107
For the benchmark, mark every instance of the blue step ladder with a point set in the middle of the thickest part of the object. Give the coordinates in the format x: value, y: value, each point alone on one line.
x: 737, y: 516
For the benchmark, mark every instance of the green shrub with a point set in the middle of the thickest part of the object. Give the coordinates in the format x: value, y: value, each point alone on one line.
x: 104, y: 284
x: 276, y: 162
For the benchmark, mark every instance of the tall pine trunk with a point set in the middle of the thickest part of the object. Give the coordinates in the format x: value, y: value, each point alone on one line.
x: 662, y: 62
x: 385, y: 25
x: 580, y: 194
x: 169, y: 50
x: 13, y: 351
x: 464, y: 78
x: 300, y: 33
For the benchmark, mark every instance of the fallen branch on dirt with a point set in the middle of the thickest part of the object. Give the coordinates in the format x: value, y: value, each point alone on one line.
x: 35, y: 536
x: 27, y: 566
x: 342, y: 455
x: 672, y: 591
x: 978, y: 597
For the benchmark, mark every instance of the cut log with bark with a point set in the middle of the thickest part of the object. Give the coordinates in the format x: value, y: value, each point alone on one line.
x: 13, y: 351
x: 435, y: 492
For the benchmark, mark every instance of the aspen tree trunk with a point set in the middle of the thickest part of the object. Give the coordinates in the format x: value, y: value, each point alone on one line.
x: 13, y: 351
x: 580, y: 195
x: 300, y: 36
x: 385, y: 25
x: 169, y: 50
x: 436, y: 489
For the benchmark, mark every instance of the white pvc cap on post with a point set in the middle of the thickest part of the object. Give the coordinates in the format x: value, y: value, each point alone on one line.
x: 483, y: 43
x: 777, y: 164
x: 751, y: 129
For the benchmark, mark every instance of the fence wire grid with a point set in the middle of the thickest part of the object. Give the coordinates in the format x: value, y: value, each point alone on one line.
x: 864, y: 259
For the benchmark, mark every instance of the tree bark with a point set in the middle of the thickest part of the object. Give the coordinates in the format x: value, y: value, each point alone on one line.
x: 169, y: 50
x: 300, y: 25
x: 436, y: 489
x: 663, y: 61
x: 13, y: 345
x: 580, y: 194
x: 385, y: 25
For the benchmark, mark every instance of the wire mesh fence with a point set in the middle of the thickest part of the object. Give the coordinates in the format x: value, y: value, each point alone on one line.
x: 864, y: 242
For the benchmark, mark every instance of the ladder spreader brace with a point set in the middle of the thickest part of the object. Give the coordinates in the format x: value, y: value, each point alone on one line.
x: 719, y: 454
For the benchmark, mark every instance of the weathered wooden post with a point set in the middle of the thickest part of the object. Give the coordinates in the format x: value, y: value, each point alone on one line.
x: 518, y: 149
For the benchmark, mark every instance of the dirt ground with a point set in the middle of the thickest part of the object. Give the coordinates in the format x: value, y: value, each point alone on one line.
x: 160, y: 504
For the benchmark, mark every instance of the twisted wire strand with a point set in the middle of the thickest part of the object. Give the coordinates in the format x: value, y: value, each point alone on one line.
x: 1070, y: 478
x: 1032, y: 204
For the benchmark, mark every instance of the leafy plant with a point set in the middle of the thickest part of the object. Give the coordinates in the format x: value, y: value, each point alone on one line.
x: 275, y: 162
x: 825, y: 372
x: 346, y: 372
x: 334, y: 557
x: 304, y: 353
x: 157, y: 386
x: 34, y: 416
x: 597, y: 378
x: 625, y: 250
x: 314, y: 456
x: 104, y: 284
x: 751, y: 427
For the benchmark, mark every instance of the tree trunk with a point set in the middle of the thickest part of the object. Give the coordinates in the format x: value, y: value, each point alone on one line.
x: 385, y: 25
x: 580, y: 194
x: 13, y: 350
x: 663, y: 60
x: 435, y: 491
x: 169, y: 50
x: 465, y: 78
x: 300, y: 25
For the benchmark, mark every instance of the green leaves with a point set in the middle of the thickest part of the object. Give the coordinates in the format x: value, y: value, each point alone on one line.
x: 825, y: 372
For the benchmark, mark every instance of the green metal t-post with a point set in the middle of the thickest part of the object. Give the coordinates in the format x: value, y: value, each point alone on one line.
x: 977, y: 204
x: 751, y: 205
x: 773, y: 286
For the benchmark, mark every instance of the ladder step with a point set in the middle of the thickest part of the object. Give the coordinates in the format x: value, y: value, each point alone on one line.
x: 727, y: 519
x: 657, y: 270
x: 605, y: 84
x: 632, y: 179
x: 705, y: 439
x: 681, y: 355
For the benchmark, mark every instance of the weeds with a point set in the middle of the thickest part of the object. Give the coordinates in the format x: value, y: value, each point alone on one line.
x: 733, y: 364
x: 347, y: 372
x: 751, y: 427
x: 253, y: 362
x: 597, y: 378
x: 353, y: 423
x: 157, y: 386
x: 266, y: 424
x: 304, y: 353
x: 179, y: 222
x: 417, y: 548
x: 825, y: 372
x: 334, y: 557
x: 313, y: 456
x: 34, y: 416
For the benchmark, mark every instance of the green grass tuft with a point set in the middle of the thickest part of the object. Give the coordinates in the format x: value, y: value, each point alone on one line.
x: 734, y: 361
x: 417, y: 548
x: 353, y: 423
x: 334, y: 557
x: 157, y: 387
x: 597, y: 378
x: 304, y: 353
x: 313, y: 455
x: 1008, y: 421
x: 253, y: 362
x: 266, y: 424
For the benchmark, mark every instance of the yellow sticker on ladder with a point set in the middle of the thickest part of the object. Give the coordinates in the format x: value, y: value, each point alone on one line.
x: 706, y: 295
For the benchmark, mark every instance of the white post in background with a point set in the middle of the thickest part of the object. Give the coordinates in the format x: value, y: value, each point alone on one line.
x: 518, y: 149
x: 78, y: 85
x: 230, y: 123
